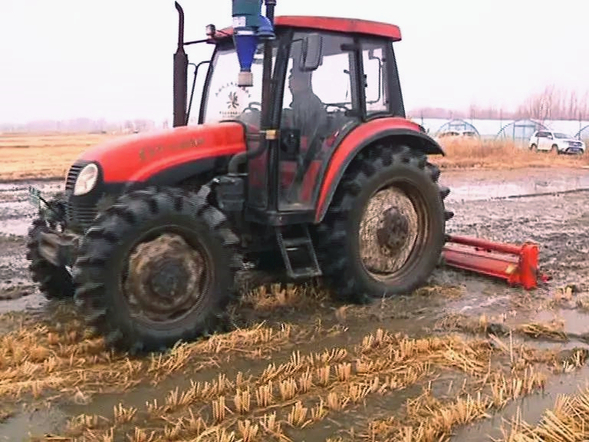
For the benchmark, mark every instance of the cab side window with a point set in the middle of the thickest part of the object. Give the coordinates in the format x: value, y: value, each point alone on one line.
x: 375, y: 86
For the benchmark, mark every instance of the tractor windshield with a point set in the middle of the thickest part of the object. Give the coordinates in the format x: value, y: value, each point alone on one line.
x: 223, y: 98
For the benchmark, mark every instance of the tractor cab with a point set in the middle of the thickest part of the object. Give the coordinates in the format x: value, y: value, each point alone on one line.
x: 312, y: 83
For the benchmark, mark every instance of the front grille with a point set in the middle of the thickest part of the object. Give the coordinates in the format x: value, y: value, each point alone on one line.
x: 80, y: 215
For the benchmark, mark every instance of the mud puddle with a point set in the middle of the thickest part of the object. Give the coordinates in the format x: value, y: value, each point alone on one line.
x: 20, y: 426
x: 574, y: 322
x: 18, y: 187
x: 490, y: 184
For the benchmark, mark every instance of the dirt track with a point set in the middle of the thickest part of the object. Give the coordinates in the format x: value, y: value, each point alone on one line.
x: 558, y: 222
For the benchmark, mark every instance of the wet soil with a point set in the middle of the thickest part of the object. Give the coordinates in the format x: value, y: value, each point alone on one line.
x: 547, y: 206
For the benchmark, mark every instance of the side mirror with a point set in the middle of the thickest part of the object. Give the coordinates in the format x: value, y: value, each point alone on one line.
x: 550, y: 137
x: 372, y: 56
x: 312, y: 52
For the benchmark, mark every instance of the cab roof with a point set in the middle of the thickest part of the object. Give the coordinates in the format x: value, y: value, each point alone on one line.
x: 335, y: 24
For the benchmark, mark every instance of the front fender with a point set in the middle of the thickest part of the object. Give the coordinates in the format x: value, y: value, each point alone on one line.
x: 397, y: 130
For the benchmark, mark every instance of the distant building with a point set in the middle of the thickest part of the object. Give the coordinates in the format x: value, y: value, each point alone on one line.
x: 520, y: 130
x: 458, y: 127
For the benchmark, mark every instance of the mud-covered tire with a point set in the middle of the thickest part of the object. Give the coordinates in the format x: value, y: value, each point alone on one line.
x: 53, y: 282
x: 104, y: 255
x: 337, y: 237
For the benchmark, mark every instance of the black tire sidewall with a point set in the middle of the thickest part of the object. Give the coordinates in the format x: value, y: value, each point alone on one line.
x: 104, y: 256
x: 193, y: 231
x: 436, y: 234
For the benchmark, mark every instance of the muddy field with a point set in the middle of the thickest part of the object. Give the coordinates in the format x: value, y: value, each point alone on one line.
x: 459, y: 359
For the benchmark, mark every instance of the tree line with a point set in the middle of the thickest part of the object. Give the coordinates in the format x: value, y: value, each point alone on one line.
x: 549, y: 104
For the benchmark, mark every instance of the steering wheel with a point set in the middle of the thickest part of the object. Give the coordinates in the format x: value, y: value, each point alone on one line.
x: 251, y: 115
x: 250, y: 107
x: 336, y: 105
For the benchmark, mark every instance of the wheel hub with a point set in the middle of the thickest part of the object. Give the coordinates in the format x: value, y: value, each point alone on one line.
x: 166, y: 278
x: 388, y: 231
x: 394, y: 229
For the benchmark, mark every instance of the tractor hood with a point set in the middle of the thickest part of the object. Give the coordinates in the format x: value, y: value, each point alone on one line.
x: 138, y: 157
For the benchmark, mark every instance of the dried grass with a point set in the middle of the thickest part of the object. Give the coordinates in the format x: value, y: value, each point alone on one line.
x: 561, y: 297
x: 583, y: 303
x: 429, y: 419
x: 466, y: 154
x: 38, y: 358
x: 297, y: 394
x: 25, y: 156
x: 568, y: 421
x: 553, y: 330
x: 274, y: 296
x: 5, y: 413
x: 308, y: 387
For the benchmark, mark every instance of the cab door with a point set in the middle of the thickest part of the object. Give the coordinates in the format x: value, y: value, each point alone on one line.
x: 319, y: 102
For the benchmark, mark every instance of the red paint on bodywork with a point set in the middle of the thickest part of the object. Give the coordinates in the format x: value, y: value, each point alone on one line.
x: 334, y: 24
x: 347, y: 147
x: 138, y: 157
x: 288, y: 171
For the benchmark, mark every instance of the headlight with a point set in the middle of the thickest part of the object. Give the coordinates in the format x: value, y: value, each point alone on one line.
x: 86, y: 179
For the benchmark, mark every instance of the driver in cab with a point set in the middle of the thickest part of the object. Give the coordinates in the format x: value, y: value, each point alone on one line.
x: 306, y: 109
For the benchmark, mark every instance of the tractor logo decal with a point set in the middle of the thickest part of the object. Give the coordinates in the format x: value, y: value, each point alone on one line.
x: 233, y: 102
x: 148, y: 153
x: 229, y: 100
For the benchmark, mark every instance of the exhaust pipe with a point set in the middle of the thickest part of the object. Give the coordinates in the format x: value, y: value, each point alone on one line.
x: 180, y: 74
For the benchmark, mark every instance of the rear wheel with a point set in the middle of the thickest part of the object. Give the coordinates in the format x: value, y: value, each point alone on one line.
x: 385, y: 229
x: 554, y: 149
x: 155, y: 268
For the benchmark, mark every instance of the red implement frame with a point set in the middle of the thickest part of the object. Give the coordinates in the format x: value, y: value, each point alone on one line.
x: 518, y: 265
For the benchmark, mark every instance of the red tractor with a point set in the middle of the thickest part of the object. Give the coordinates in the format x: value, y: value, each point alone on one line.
x: 306, y: 162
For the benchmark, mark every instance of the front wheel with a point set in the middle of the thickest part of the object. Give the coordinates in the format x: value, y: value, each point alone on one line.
x: 385, y: 230
x: 155, y: 268
x: 54, y: 282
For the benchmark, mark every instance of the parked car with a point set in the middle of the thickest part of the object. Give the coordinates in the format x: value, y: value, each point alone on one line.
x: 557, y: 142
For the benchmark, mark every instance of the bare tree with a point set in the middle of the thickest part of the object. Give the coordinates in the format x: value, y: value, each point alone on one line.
x: 539, y: 106
x: 555, y: 104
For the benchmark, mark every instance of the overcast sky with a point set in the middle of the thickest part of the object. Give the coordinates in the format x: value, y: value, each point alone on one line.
x: 113, y: 59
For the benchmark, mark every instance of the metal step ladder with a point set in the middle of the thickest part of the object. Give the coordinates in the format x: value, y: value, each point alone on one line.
x: 305, y: 265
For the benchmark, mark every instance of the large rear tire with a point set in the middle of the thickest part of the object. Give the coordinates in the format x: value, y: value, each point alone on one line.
x: 155, y: 268
x: 384, y: 232
x: 54, y: 282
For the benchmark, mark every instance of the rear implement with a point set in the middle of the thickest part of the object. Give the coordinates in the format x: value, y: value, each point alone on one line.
x: 518, y: 265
